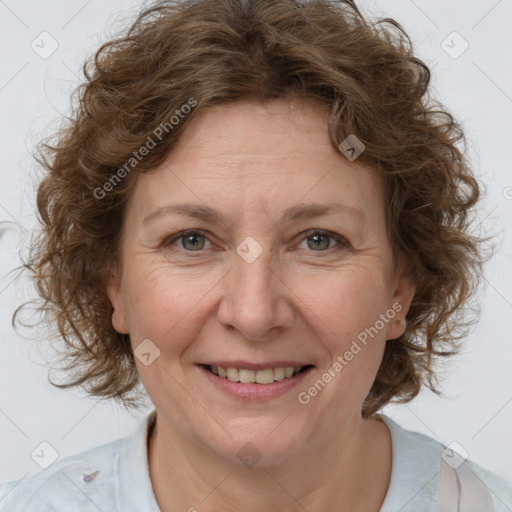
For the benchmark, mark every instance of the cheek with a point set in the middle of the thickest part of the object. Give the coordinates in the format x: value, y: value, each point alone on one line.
x: 155, y: 302
x: 346, y: 303
x: 164, y: 305
x: 348, y: 326
x: 345, y: 312
x: 165, y: 308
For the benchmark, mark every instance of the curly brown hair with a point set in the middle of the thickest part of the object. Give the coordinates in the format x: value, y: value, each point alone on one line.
x: 221, y: 51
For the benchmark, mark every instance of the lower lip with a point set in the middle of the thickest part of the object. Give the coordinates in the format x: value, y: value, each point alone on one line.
x: 255, y: 391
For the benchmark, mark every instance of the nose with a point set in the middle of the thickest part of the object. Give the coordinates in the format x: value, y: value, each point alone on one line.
x: 256, y: 301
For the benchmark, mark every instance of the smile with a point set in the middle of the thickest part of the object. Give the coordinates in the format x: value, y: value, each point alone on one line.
x: 254, y: 384
x: 264, y: 376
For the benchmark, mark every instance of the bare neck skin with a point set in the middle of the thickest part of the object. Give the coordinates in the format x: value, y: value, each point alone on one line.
x: 351, y: 472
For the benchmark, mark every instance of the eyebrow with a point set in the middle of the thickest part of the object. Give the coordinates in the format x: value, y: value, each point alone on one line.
x: 207, y: 214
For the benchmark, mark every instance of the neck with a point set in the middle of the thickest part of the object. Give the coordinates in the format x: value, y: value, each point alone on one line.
x: 351, y: 472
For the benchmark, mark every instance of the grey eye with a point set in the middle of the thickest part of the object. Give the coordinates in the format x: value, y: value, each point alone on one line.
x: 190, y: 241
x: 319, y: 241
x: 193, y: 241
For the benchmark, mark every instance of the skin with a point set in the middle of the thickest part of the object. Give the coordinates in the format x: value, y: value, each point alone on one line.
x: 297, y: 300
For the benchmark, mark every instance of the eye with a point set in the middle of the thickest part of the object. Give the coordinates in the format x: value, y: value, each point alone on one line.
x: 190, y: 240
x: 321, y: 240
x: 194, y: 240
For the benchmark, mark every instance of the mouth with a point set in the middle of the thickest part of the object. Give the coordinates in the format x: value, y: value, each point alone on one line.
x: 256, y: 374
x: 255, y: 382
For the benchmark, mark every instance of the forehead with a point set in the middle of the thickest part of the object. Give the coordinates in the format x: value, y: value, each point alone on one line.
x: 247, y: 157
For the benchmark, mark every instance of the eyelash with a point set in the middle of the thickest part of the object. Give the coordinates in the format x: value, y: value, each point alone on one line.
x: 342, y: 241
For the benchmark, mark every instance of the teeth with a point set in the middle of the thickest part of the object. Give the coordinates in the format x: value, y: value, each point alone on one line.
x: 266, y: 376
x: 279, y: 373
x: 232, y: 374
x: 247, y: 376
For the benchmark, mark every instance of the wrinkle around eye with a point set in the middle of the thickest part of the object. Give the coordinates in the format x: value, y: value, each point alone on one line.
x: 169, y: 241
x: 341, y: 243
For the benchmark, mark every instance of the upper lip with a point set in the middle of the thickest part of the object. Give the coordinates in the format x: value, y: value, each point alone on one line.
x: 244, y: 365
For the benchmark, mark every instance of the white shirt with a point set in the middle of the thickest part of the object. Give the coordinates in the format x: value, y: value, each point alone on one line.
x: 115, y: 477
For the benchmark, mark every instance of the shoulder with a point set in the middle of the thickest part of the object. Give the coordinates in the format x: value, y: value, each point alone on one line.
x: 83, y: 481
x: 418, y: 461
x: 113, y: 476
x: 499, y: 488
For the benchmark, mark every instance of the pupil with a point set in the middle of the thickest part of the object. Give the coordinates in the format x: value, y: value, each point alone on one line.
x: 191, y: 237
x: 316, y: 237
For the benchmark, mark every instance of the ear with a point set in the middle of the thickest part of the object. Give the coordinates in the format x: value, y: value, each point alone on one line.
x: 404, y: 288
x: 115, y: 295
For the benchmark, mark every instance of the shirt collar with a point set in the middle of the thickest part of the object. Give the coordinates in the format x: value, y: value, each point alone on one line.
x: 414, y: 473
x: 134, y: 490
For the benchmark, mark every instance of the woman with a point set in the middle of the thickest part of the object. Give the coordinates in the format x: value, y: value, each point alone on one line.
x: 257, y: 215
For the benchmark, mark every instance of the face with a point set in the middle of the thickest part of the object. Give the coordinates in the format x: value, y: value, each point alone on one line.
x: 252, y: 287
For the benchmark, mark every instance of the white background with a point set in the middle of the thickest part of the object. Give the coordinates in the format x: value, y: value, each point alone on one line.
x: 477, y: 86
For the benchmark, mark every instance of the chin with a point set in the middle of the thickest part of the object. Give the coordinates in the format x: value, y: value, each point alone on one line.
x: 259, y: 443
